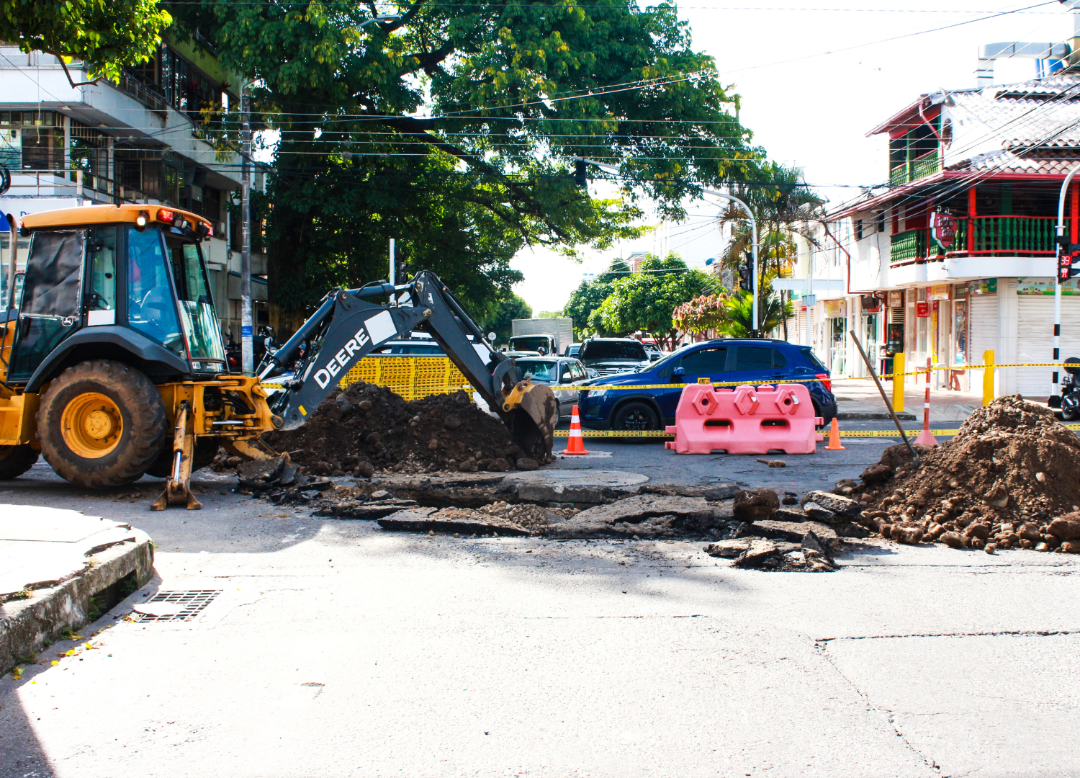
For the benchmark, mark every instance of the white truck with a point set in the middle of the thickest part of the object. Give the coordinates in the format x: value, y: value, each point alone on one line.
x: 552, y: 335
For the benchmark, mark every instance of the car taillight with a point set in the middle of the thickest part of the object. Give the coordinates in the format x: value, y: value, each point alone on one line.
x: 824, y: 378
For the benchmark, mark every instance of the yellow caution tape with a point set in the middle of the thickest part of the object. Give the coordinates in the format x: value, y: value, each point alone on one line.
x: 843, y: 433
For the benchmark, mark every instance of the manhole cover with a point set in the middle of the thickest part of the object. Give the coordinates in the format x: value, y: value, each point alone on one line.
x: 175, y: 606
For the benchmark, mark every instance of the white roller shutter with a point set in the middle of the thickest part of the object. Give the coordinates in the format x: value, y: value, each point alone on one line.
x: 1035, y: 339
x: 983, y: 333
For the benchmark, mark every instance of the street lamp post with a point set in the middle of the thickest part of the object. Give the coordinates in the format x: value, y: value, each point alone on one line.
x: 1057, y: 275
x: 753, y: 229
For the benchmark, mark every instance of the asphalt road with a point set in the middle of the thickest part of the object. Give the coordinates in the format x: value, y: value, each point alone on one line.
x: 336, y: 648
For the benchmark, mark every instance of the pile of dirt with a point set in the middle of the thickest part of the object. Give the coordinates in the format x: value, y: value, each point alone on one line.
x: 1007, y: 480
x: 367, y: 428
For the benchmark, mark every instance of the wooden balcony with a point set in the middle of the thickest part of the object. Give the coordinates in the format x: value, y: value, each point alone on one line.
x: 914, y: 169
x: 983, y: 236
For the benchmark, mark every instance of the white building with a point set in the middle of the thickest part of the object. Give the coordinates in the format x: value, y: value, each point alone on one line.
x: 141, y: 140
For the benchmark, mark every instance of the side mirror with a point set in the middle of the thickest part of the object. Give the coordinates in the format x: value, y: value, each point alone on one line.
x: 566, y: 378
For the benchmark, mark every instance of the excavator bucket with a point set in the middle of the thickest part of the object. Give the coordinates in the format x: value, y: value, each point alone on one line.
x: 531, y: 412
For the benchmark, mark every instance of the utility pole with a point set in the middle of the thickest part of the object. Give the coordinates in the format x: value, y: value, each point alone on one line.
x: 247, y: 352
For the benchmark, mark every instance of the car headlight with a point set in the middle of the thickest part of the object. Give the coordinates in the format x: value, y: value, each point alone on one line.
x: 596, y: 392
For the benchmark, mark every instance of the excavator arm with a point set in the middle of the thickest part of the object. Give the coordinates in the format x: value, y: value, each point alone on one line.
x: 347, y: 327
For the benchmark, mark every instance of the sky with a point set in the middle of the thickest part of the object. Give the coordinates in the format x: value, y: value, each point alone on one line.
x: 814, y: 77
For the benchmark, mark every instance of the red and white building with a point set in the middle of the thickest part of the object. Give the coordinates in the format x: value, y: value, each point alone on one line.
x: 956, y: 255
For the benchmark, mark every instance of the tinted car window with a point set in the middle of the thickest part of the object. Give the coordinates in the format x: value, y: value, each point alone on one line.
x: 614, y: 349
x: 708, y: 361
x: 811, y: 357
x: 758, y: 358
x: 576, y: 372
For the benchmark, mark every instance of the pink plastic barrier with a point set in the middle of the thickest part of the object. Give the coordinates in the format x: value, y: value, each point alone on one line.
x: 745, y: 421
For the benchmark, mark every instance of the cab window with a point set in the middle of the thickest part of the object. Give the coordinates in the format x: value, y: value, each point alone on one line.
x: 101, y: 247
x: 150, y: 306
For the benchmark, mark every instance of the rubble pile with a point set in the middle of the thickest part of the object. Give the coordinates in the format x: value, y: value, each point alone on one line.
x: 365, y: 428
x: 1007, y: 480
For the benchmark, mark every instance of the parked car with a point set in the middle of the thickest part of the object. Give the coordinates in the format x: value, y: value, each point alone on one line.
x: 572, y: 350
x: 554, y: 371
x: 653, y: 351
x: 613, y: 356
x: 409, y: 348
x: 744, y: 360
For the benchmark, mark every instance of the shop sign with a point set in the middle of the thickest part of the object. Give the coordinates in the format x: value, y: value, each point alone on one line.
x: 943, y: 229
x: 871, y: 304
x: 940, y: 292
x: 922, y: 310
x: 984, y: 286
x: 960, y: 292
x: 835, y: 309
x: 1041, y: 286
x: 896, y: 299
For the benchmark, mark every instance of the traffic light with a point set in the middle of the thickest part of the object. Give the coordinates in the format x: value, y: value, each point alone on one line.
x: 746, y: 273
x: 580, y: 179
x: 1069, y: 262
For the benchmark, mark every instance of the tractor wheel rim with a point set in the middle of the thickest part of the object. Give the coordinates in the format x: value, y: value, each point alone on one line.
x: 92, y: 425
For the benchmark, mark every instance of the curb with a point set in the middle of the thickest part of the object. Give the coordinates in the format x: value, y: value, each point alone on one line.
x: 25, y: 625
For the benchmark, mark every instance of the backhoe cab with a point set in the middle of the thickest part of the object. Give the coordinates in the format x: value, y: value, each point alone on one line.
x: 112, y: 346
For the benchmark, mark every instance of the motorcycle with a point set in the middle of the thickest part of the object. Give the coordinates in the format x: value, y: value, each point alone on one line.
x: 1069, y: 402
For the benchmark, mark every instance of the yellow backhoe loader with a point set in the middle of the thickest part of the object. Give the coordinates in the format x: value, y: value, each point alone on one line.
x: 112, y: 363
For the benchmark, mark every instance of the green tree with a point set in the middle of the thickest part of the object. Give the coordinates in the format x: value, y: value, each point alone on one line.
x: 453, y: 129
x: 707, y: 312
x: 585, y: 301
x: 740, y: 313
x: 107, y: 36
x: 644, y: 301
x: 506, y: 310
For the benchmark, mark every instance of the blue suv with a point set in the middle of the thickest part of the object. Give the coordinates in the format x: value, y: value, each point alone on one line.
x: 753, y: 362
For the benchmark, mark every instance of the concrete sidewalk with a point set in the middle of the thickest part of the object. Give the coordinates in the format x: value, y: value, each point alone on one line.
x: 59, y: 567
x: 860, y: 399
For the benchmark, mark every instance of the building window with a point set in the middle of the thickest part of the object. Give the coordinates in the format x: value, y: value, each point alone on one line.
x: 858, y: 229
x: 90, y: 154
x: 31, y: 140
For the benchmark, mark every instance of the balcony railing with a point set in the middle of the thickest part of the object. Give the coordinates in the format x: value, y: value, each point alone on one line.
x: 917, y: 168
x: 987, y: 236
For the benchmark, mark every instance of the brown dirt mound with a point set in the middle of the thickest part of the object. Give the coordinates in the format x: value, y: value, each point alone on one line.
x: 367, y: 428
x: 1011, y: 470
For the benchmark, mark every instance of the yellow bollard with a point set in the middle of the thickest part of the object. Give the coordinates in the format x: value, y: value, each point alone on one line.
x: 988, y: 377
x: 898, y: 383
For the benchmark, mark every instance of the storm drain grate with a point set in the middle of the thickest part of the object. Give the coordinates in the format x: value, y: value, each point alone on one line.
x: 182, y: 605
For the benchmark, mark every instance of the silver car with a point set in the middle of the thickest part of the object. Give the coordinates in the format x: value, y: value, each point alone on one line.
x: 554, y: 371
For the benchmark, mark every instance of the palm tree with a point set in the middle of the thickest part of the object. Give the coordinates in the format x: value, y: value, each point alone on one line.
x: 785, y: 209
x: 740, y: 314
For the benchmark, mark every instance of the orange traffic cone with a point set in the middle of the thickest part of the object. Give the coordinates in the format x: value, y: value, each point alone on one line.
x: 575, y: 446
x: 834, y: 437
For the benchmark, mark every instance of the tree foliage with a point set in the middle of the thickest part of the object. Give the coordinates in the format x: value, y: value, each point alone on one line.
x: 501, y: 320
x: 107, y: 36
x: 704, y: 313
x: 453, y: 128
x: 644, y: 301
x: 739, y: 313
x: 584, y: 303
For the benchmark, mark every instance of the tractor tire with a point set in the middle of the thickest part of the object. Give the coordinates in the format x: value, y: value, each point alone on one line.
x: 205, y: 451
x: 101, y: 424
x: 16, y: 460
